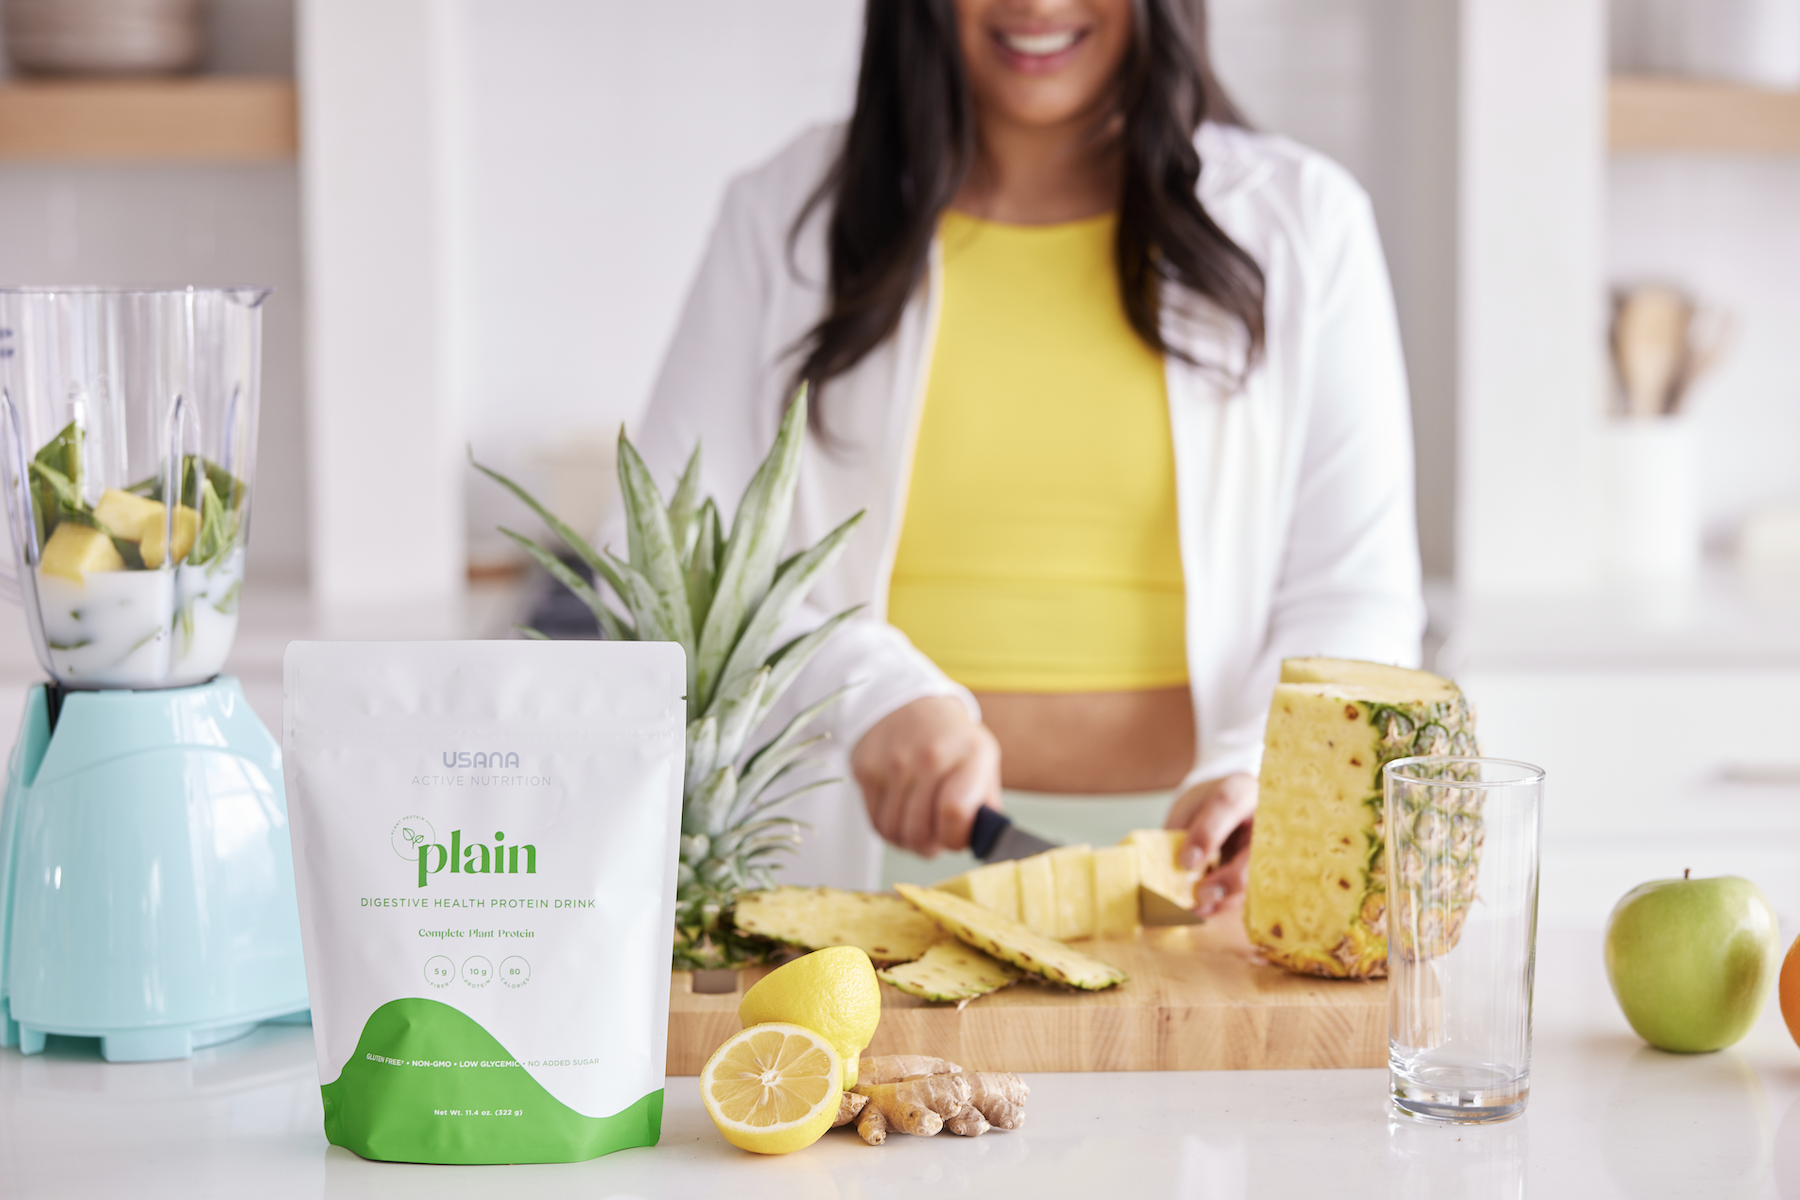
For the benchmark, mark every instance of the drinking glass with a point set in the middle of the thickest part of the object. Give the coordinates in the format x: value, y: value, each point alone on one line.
x: 1462, y: 883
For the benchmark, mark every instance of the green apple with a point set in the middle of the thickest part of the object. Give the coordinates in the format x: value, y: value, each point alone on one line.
x: 1692, y: 961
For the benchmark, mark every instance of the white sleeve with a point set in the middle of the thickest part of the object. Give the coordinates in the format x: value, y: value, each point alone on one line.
x: 1349, y: 585
x: 721, y: 386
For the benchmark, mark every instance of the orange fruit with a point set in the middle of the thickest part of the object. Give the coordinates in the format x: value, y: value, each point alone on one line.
x: 1788, y: 988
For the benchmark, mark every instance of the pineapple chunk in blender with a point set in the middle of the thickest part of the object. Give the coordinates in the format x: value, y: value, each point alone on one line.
x: 127, y: 515
x: 75, y: 551
x: 187, y: 527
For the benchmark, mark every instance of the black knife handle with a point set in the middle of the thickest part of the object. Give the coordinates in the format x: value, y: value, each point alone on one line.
x: 990, y: 823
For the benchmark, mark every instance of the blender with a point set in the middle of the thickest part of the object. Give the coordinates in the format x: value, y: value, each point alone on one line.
x: 146, y: 878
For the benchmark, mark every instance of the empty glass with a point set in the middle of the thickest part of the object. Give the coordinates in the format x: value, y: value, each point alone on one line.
x: 1462, y: 879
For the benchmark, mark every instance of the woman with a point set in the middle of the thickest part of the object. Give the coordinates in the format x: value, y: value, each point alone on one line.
x: 1119, y: 385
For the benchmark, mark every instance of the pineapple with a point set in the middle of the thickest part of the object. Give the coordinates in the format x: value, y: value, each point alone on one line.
x: 1159, y: 864
x: 723, y: 598
x: 994, y: 886
x: 1318, y: 887
x: 1011, y: 941
x: 950, y: 971
x: 1077, y: 892
x: 883, y: 926
x: 1116, y: 879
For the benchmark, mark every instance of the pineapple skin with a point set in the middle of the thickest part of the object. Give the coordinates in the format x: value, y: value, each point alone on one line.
x: 1316, y: 901
x: 1012, y: 942
x: 883, y: 926
x: 949, y: 971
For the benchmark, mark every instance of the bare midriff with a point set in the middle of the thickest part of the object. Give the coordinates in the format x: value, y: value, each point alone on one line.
x: 1092, y: 743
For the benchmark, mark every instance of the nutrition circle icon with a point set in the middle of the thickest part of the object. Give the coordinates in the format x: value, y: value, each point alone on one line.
x: 409, y: 833
x: 440, y: 972
x: 515, y: 972
x: 477, y: 971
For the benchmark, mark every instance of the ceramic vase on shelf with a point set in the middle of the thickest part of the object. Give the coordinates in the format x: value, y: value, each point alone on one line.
x: 104, y: 37
x: 1652, y: 498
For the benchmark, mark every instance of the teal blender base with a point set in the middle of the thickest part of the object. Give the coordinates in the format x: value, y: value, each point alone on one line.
x: 146, y: 879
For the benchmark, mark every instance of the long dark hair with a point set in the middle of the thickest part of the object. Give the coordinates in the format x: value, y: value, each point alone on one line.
x: 911, y: 143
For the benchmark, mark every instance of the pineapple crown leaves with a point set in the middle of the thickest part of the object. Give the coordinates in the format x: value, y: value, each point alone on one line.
x: 724, y: 597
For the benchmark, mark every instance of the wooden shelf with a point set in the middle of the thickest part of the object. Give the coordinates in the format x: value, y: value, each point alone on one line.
x: 217, y: 118
x: 1651, y: 113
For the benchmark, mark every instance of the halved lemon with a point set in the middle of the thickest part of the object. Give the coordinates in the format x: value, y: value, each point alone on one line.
x: 773, y: 1088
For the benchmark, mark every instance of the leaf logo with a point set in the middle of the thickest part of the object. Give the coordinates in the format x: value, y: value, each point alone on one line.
x: 409, y: 834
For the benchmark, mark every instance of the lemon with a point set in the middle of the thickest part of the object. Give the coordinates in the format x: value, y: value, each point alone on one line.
x: 773, y: 1088
x: 833, y: 991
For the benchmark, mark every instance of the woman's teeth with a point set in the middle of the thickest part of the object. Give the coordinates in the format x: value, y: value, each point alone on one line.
x: 1040, y: 45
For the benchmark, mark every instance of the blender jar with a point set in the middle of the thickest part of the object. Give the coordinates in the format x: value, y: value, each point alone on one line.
x: 127, y: 447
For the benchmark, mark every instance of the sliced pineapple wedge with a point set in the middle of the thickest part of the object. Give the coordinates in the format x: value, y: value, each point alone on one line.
x: 1159, y: 864
x: 885, y: 927
x: 950, y: 971
x: 1011, y: 941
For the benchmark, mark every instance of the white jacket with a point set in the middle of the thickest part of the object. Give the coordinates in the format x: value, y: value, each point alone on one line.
x: 1295, y: 490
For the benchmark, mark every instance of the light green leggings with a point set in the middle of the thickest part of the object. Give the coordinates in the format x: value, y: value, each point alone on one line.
x: 1096, y: 820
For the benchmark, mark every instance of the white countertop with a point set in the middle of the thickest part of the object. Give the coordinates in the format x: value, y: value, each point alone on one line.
x: 1607, y: 1117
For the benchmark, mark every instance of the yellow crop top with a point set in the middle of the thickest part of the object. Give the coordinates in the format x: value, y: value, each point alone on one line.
x: 1039, y: 551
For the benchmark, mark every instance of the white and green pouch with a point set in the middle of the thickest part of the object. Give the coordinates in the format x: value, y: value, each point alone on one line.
x: 485, y: 839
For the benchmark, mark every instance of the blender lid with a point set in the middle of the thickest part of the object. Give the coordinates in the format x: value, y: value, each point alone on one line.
x: 248, y: 294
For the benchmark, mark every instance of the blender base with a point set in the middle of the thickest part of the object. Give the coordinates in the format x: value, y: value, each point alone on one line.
x: 146, y: 877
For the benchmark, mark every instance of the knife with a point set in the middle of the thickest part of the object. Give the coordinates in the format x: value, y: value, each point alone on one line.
x: 995, y: 838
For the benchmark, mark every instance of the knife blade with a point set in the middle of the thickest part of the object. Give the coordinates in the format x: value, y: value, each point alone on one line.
x: 1156, y: 910
x: 995, y: 838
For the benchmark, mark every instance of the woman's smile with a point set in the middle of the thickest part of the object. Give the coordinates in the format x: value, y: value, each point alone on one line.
x: 1039, y: 52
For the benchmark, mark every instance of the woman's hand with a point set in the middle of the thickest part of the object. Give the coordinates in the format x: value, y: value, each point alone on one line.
x: 1217, y: 816
x: 924, y: 769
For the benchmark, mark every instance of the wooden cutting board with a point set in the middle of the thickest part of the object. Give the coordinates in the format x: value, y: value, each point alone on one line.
x: 1199, y: 998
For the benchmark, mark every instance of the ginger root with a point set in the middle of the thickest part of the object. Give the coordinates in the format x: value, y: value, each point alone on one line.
x: 872, y: 1126
x: 849, y: 1104
x: 1000, y: 1097
x: 895, y: 1068
x: 918, y: 1106
x: 921, y: 1095
x: 968, y: 1122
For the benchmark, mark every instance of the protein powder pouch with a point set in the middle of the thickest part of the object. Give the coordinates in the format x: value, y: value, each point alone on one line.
x: 485, y: 838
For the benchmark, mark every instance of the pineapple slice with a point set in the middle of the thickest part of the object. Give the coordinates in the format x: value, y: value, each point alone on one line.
x: 1116, y: 878
x: 950, y: 971
x: 994, y: 886
x: 1011, y: 941
x: 76, y: 551
x: 1317, y: 893
x: 1037, y: 894
x: 1078, y: 892
x: 1072, y: 877
x: 1159, y: 864
x: 886, y: 928
x: 154, y: 544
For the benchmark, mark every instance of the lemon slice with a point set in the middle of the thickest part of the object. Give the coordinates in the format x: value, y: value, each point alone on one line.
x: 773, y: 1088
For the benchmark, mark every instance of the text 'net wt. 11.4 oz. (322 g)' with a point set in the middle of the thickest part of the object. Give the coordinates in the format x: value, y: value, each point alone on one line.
x: 485, y: 838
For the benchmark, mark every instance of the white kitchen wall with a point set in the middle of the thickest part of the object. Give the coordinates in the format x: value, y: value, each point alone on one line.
x: 594, y: 143
x: 1725, y: 227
